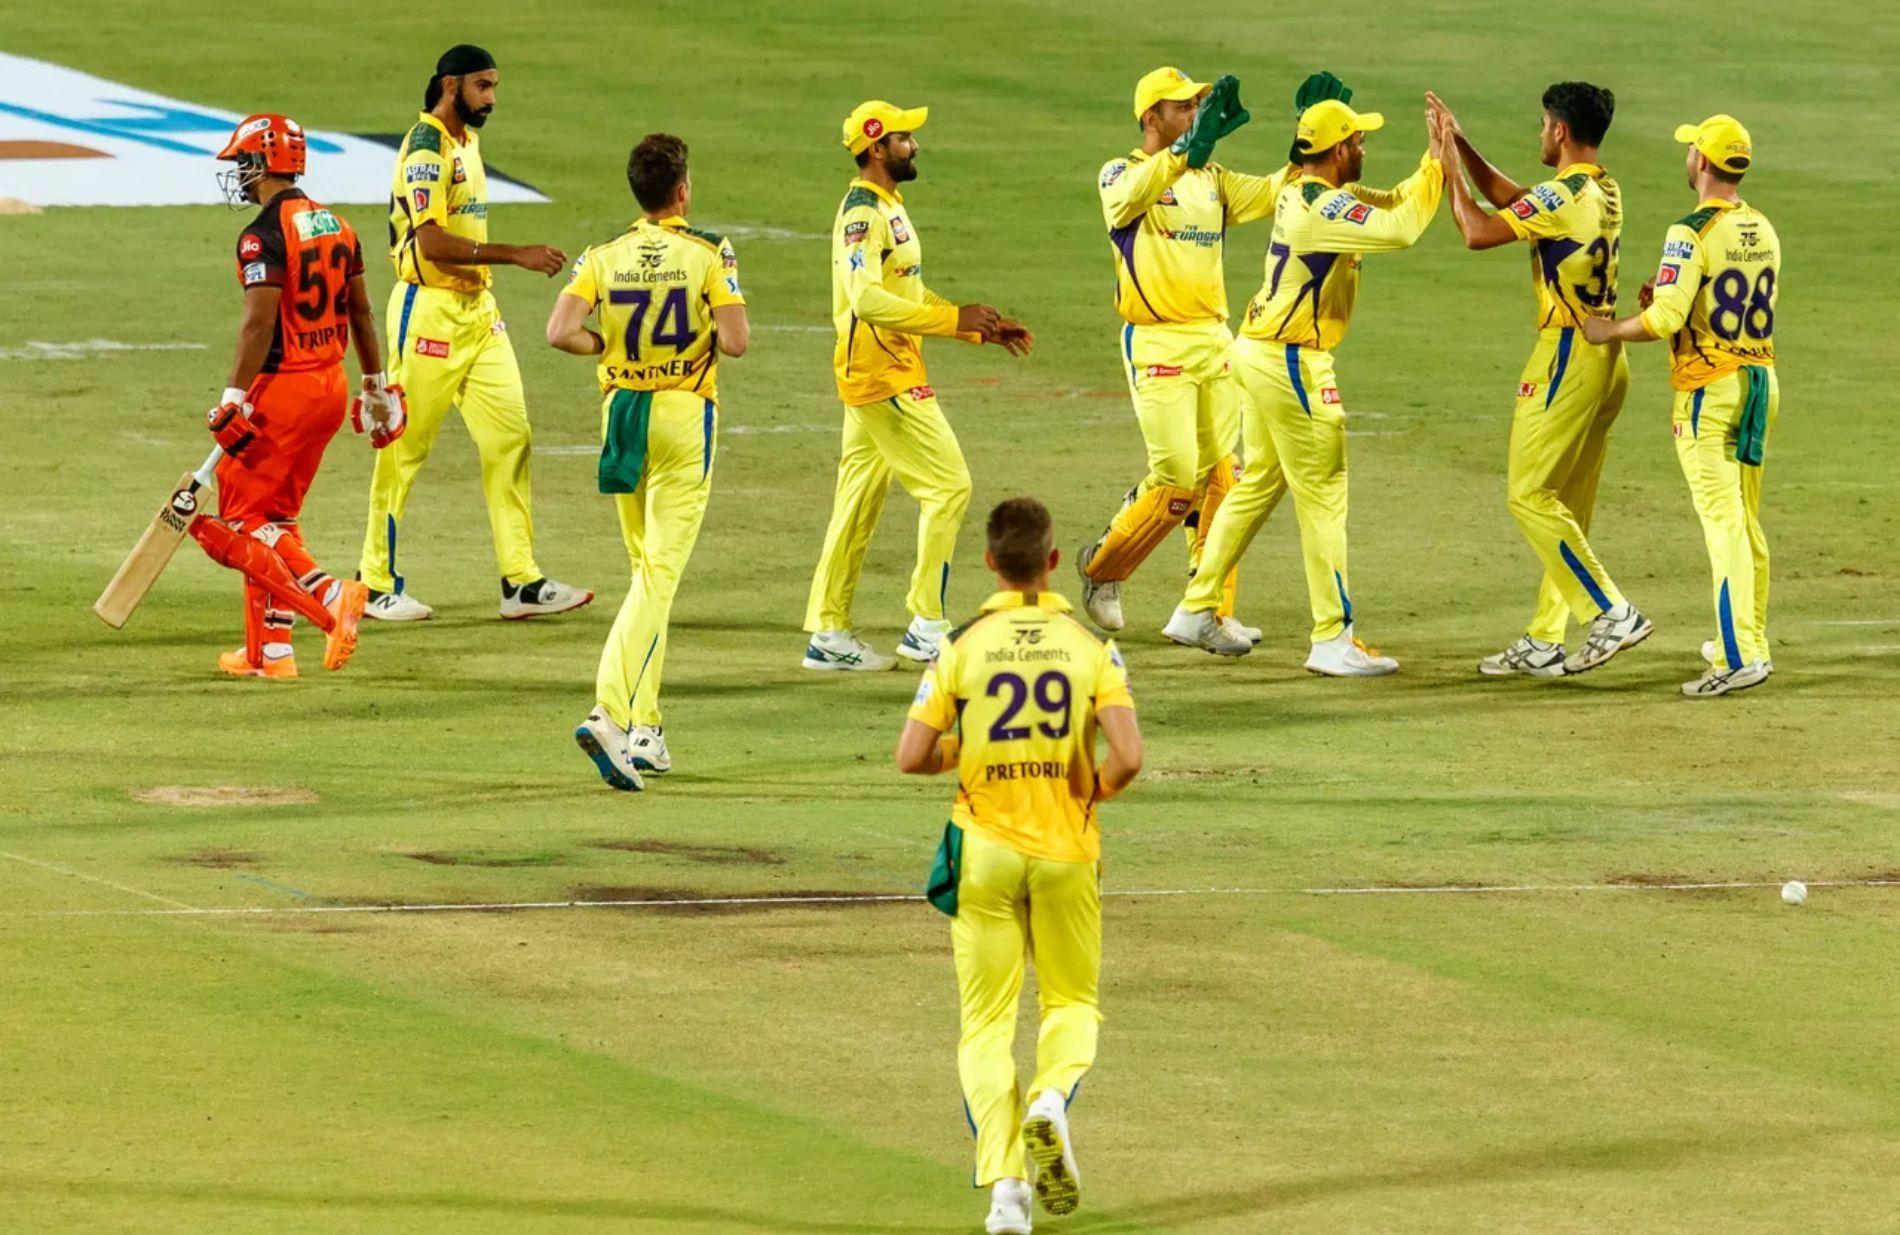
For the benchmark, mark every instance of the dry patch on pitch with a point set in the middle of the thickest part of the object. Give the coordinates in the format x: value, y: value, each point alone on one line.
x: 1165, y: 774
x: 13, y: 205
x: 484, y: 857
x: 717, y: 855
x: 223, y: 795
x: 220, y: 859
x: 700, y: 901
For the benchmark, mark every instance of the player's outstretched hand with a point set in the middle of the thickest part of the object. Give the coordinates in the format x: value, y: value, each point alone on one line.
x: 1198, y: 142
x: 547, y: 259
x: 1444, y: 114
x: 977, y: 319
x: 1597, y: 329
x: 1014, y: 337
x: 1646, y: 294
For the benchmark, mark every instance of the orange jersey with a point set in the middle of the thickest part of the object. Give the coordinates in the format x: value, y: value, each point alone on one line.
x: 299, y: 246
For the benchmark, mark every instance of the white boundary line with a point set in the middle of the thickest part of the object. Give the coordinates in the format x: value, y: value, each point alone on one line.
x: 176, y: 906
x: 714, y: 902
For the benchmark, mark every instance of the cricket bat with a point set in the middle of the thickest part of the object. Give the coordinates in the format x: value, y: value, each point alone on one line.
x: 154, y: 549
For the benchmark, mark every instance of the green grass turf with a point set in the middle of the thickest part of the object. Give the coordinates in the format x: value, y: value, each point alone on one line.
x: 1550, y: 1062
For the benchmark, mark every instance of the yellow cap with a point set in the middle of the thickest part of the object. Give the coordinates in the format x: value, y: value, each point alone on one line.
x: 1166, y: 82
x: 1722, y: 140
x: 1328, y: 122
x: 870, y: 121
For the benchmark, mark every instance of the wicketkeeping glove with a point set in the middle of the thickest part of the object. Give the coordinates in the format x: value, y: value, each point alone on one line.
x: 1198, y: 142
x: 1319, y: 86
x: 230, y: 422
x: 1235, y: 114
x: 381, y: 409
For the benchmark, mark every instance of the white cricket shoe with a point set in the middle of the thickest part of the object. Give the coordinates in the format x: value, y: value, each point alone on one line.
x: 1712, y: 652
x: 606, y: 744
x: 1721, y: 680
x: 1343, y: 656
x: 1532, y: 657
x: 1102, y: 601
x: 396, y: 607
x: 1203, y: 630
x: 1240, y: 630
x: 540, y: 599
x: 1057, y: 1182
x: 1612, y: 631
x: 646, y: 745
x: 920, y: 641
x: 841, y: 650
x: 1009, y: 1208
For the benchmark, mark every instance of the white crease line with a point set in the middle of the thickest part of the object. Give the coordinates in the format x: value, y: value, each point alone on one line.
x: 176, y: 906
x: 881, y: 898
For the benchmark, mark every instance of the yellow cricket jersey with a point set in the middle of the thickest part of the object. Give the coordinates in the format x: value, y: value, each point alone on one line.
x: 1021, y: 685
x: 656, y: 286
x: 1575, y: 226
x: 879, y: 303
x: 438, y: 180
x: 1167, y: 224
x: 1319, y: 233
x: 1715, y: 293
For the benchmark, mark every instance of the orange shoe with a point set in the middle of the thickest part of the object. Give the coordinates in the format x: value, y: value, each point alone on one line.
x: 347, y: 609
x: 283, y: 668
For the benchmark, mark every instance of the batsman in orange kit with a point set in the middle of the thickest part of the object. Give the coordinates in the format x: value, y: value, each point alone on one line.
x: 301, y: 268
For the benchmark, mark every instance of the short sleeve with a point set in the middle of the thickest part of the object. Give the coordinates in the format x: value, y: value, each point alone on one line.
x: 722, y: 280
x: 261, y: 260
x: 1111, y: 680
x: 426, y: 187
x: 1678, y: 281
x: 580, y: 280
x: 1538, y: 214
x: 935, y: 703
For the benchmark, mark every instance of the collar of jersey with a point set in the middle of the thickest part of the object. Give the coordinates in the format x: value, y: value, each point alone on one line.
x: 429, y: 118
x: 1049, y: 601
x: 671, y: 220
x: 892, y: 197
x: 1593, y: 170
x: 1720, y: 203
x: 1303, y: 177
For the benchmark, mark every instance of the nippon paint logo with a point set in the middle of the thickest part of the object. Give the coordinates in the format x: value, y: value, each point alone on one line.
x: 71, y: 139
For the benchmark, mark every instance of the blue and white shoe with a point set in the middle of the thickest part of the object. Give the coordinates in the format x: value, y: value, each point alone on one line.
x: 837, y: 651
x: 606, y: 744
x: 920, y: 641
x: 647, y: 745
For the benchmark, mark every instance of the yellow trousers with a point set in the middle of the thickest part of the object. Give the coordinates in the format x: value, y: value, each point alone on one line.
x: 1188, y: 408
x: 1293, y: 426
x: 660, y: 521
x: 452, y: 348
x: 1010, y: 907
x: 1727, y: 496
x: 1567, y: 398
x: 905, y: 436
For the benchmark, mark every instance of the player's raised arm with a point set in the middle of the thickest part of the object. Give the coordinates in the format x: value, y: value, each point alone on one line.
x: 1356, y: 226
x: 1498, y: 189
x: 1480, y: 229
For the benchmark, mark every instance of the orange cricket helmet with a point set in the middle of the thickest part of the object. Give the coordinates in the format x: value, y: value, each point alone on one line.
x: 263, y: 144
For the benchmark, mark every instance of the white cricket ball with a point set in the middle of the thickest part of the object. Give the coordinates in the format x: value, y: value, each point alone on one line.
x: 1794, y: 892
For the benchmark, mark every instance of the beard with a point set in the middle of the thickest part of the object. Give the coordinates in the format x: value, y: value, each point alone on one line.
x: 473, y: 117
x: 905, y: 171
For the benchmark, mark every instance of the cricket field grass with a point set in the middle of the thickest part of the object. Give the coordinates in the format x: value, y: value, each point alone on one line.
x: 1590, y: 1052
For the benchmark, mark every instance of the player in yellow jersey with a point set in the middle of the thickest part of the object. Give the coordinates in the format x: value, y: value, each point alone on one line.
x: 892, y: 423
x: 449, y: 345
x: 1012, y: 705
x: 1713, y: 298
x: 1571, y: 390
x: 1295, y: 417
x: 670, y: 305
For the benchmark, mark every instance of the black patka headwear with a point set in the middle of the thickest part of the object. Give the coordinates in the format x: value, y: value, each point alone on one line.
x: 458, y: 61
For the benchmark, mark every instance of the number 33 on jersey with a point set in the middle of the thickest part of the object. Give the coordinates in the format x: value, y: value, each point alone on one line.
x: 655, y: 288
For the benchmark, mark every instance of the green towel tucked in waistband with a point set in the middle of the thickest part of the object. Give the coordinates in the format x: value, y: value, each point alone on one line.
x: 1751, y: 430
x: 947, y: 871
x: 623, y: 454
